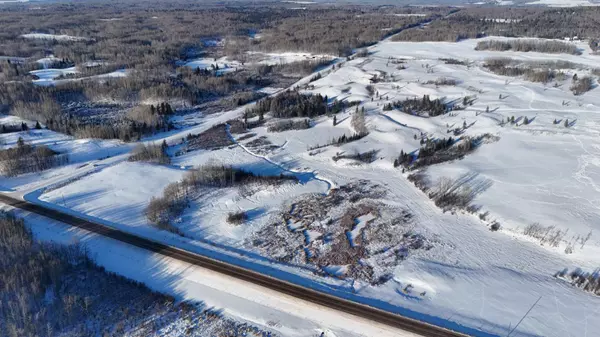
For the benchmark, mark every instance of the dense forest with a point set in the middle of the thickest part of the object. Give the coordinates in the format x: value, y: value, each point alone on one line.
x: 475, y: 22
x: 25, y: 158
x: 552, y: 47
x: 419, y: 106
x: 152, y: 49
x: 56, y: 290
x: 290, y: 104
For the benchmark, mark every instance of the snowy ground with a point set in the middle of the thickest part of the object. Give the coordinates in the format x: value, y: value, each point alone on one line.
x: 225, y: 64
x: 286, y: 57
x: 85, y: 156
x: 235, y: 299
x: 44, y: 36
x: 47, y: 76
x: 206, y: 63
x: 563, y: 3
x: 540, y: 172
x: 51, y: 76
x: 47, y: 61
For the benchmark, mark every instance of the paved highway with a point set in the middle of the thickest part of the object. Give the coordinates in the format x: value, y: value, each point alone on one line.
x: 320, y: 298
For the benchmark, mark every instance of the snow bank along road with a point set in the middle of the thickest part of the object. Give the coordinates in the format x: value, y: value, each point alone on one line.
x: 387, y: 318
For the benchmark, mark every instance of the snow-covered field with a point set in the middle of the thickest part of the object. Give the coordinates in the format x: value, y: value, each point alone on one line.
x: 224, y: 64
x: 47, y: 61
x: 563, y: 3
x: 48, y: 76
x: 287, y: 57
x: 242, y: 301
x: 51, y: 76
x: 58, y: 37
x: 206, y: 63
x: 471, y: 278
x: 85, y: 156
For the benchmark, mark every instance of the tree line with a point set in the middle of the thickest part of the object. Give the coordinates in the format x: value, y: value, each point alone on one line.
x: 419, y: 106
x: 540, y: 46
x: 176, y: 196
x: 290, y: 104
x: 539, y: 22
x: 26, y: 158
x: 48, y: 289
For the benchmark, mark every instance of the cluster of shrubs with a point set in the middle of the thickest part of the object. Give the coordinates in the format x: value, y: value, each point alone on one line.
x: 443, y: 81
x: 290, y: 104
x: 364, y: 157
x: 416, y: 106
x: 241, y: 98
x: 458, y: 193
x: 450, y: 194
x: 214, y: 138
x: 547, y: 235
x: 152, y: 153
x: 237, y: 218
x: 454, y: 61
x: 582, y: 85
x: 343, y: 139
x: 10, y: 128
x: 586, y: 281
x: 281, y: 126
x: 161, y: 210
x: 435, y: 151
x: 358, y: 121
x: 539, y: 46
x: 542, y: 72
x: 25, y: 158
x: 542, y: 76
x: 407, y: 159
